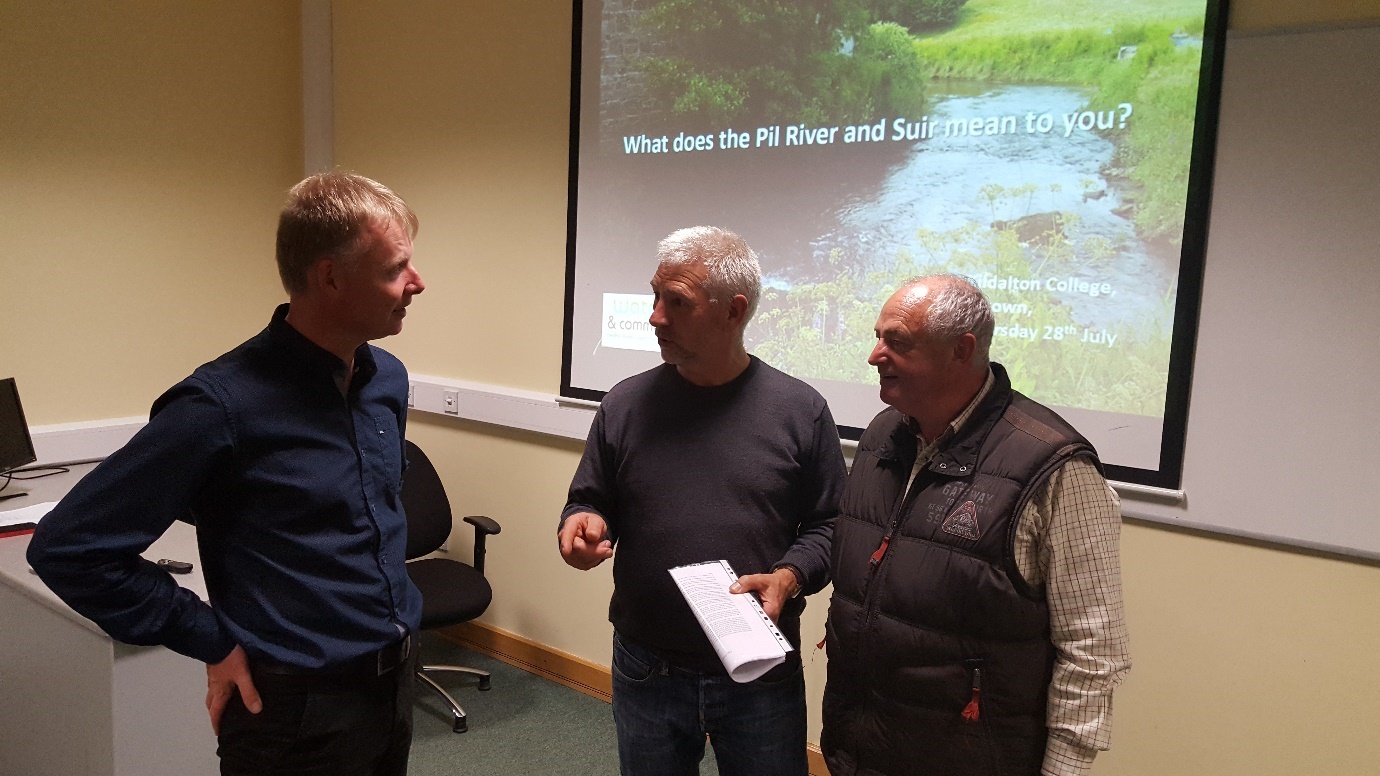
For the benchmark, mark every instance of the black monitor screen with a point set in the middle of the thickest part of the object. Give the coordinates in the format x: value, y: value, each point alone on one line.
x: 16, y: 448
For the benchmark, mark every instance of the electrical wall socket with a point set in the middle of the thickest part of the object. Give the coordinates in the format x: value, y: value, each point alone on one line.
x: 451, y: 401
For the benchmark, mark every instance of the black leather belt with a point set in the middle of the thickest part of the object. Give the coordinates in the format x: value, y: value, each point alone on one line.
x: 375, y: 663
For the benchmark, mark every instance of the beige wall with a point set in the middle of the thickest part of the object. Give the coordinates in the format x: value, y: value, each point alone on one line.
x: 1248, y: 661
x: 463, y: 108
x: 144, y: 150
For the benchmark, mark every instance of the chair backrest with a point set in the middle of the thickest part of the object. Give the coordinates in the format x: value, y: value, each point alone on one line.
x: 425, y: 503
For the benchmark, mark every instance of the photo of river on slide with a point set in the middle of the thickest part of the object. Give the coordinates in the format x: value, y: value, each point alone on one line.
x: 1041, y: 149
x: 1044, y: 188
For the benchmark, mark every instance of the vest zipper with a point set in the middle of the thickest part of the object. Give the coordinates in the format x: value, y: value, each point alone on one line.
x: 973, y: 711
x: 876, y: 559
x: 874, y: 562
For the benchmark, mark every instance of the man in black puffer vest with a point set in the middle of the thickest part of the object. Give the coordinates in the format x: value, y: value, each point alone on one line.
x: 976, y: 625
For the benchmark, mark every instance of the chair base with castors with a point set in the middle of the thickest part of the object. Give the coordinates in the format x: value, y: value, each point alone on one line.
x: 459, y: 725
x: 452, y: 592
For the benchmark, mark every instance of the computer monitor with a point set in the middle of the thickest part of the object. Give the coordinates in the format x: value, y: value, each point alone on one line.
x: 16, y: 446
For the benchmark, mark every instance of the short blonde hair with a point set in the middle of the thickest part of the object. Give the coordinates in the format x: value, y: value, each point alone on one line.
x: 326, y: 215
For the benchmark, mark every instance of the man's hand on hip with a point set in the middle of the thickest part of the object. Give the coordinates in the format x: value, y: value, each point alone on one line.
x: 584, y: 541
x: 775, y: 589
x: 221, y: 681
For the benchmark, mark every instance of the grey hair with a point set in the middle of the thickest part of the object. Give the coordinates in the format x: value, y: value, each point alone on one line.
x: 732, y: 265
x: 957, y: 307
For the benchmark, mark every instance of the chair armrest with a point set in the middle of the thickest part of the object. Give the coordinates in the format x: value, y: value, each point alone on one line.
x: 483, y: 525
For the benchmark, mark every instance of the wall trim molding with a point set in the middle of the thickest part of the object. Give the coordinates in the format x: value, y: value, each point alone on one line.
x: 547, y: 413
x: 564, y: 668
x: 498, y: 405
x: 1262, y: 30
x: 88, y: 440
x: 543, y: 413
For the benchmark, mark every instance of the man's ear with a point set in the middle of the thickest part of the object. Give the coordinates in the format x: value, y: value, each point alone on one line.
x: 325, y: 275
x: 737, y: 310
x: 964, y: 348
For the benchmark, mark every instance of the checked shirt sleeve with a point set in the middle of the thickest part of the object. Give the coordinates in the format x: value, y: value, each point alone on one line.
x: 1068, y: 539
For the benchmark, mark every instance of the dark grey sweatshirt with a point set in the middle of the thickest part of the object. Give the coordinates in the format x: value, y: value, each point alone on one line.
x: 749, y: 471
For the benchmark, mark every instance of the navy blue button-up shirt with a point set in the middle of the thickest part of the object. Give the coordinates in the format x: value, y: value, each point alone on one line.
x: 294, y: 489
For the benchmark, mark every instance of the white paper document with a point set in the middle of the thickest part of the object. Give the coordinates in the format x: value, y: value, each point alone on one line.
x: 745, y: 638
x: 29, y: 514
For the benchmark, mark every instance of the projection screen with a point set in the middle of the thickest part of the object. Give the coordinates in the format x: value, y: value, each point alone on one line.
x: 1058, y: 153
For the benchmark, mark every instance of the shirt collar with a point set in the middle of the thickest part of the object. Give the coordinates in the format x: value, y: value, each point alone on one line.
x: 315, y: 357
x: 956, y: 423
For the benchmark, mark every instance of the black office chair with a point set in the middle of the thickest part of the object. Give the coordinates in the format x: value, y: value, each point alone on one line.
x: 452, y: 592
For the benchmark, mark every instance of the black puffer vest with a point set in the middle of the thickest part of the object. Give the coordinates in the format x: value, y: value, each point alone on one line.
x: 928, y: 603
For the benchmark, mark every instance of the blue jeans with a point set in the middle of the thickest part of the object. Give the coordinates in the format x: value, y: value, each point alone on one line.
x: 663, y: 714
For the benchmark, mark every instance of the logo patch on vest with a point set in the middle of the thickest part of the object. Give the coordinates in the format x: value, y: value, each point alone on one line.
x: 963, y: 523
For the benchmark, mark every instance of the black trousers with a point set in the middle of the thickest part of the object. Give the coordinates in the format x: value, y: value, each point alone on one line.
x: 321, y: 725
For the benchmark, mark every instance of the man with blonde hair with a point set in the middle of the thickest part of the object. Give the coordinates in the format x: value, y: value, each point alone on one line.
x: 713, y: 455
x: 287, y: 455
x: 976, y: 625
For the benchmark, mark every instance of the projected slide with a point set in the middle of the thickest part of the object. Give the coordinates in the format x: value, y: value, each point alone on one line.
x: 1041, y: 148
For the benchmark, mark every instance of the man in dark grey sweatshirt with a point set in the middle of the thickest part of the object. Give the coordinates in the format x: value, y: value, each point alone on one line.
x: 712, y: 455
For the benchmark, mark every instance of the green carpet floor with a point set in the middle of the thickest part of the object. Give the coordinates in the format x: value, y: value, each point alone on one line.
x: 524, y: 725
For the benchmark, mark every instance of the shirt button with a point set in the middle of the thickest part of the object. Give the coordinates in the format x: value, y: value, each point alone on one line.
x: 384, y: 561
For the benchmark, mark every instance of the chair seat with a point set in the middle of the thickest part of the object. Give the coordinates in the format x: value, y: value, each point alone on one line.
x: 452, y: 592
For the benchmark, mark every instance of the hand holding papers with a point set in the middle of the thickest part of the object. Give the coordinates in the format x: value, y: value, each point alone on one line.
x: 743, y: 636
